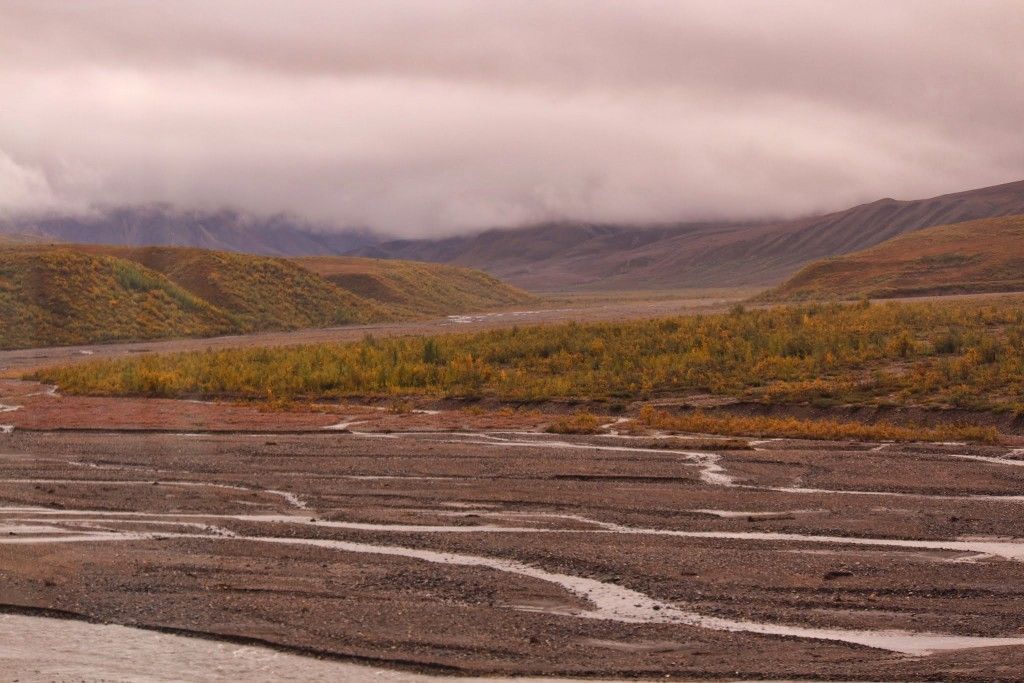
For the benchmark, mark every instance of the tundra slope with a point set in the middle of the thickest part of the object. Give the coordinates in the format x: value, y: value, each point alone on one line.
x: 985, y: 255
x: 414, y: 288
x: 698, y: 255
x: 82, y: 294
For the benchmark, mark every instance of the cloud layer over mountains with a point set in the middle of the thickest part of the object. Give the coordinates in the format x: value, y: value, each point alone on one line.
x: 425, y: 118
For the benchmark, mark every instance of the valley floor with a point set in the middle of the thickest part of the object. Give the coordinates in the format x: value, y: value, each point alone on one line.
x: 610, y: 308
x: 161, y: 539
x: 452, y: 543
x: 557, y: 308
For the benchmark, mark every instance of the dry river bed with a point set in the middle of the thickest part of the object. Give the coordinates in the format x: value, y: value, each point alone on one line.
x: 507, y: 553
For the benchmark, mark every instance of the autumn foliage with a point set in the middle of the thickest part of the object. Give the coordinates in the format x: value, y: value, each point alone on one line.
x: 951, y: 354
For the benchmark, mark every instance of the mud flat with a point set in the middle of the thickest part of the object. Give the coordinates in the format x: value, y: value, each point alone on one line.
x: 522, y: 554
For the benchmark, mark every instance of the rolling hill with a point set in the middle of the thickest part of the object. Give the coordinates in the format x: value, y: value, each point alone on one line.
x: 562, y: 256
x: 259, y: 292
x: 698, y: 255
x: 53, y: 294
x: 985, y: 255
x: 416, y: 289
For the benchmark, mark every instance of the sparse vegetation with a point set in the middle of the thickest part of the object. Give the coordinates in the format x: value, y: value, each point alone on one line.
x: 976, y: 256
x: 79, y: 294
x: 58, y: 296
x: 888, y: 354
x: 789, y: 427
x: 415, y: 289
x: 259, y: 292
x: 580, y: 422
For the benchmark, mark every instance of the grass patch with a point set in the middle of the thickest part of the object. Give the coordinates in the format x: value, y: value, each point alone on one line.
x: 53, y: 295
x: 975, y: 256
x: 830, y: 430
x: 84, y: 294
x: 416, y: 289
x: 578, y: 423
x: 259, y: 292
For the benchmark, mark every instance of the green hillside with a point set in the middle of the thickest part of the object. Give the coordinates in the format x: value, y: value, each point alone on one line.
x: 985, y: 255
x: 54, y: 295
x: 414, y: 288
x: 260, y: 292
x: 81, y: 294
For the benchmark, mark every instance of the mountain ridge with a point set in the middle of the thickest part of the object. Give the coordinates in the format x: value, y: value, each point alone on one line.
x: 555, y: 256
x: 164, y: 225
x: 697, y: 255
x: 979, y: 256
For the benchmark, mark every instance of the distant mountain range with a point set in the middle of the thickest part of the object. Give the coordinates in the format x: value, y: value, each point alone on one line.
x: 162, y: 225
x: 583, y: 256
x: 556, y: 256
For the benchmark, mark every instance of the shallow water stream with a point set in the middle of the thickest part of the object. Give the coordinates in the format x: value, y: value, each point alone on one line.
x: 47, y: 649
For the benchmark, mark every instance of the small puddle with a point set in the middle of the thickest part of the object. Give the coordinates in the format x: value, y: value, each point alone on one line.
x: 992, y: 498
x: 711, y: 471
x: 14, y: 529
x: 389, y: 477
x: 343, y: 426
x: 984, y: 458
x: 742, y: 514
x: 369, y: 526
x: 470, y: 506
x: 614, y: 423
x: 290, y: 498
x: 86, y: 537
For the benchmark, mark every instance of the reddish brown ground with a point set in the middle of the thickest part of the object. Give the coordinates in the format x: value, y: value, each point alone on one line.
x: 181, y: 468
x: 208, y: 573
x: 43, y: 408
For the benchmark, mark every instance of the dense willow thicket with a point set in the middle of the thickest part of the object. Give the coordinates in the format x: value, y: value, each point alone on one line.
x: 966, y: 354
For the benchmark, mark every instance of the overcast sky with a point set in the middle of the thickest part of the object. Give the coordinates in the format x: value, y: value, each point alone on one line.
x: 435, y: 116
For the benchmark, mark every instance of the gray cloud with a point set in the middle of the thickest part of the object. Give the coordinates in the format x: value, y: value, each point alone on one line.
x: 434, y: 117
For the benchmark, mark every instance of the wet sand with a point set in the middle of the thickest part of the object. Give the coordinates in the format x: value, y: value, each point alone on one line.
x: 47, y: 648
x: 505, y: 552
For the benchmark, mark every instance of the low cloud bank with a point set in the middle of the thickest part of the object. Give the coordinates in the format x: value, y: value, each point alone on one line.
x: 429, y: 118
